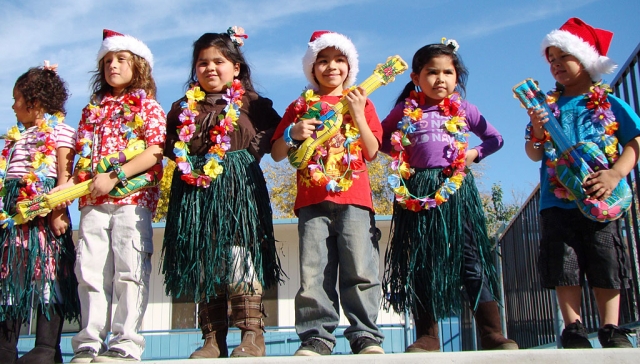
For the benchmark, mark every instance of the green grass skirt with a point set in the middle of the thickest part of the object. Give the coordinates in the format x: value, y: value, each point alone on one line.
x: 424, y: 259
x: 203, y: 224
x: 33, y: 258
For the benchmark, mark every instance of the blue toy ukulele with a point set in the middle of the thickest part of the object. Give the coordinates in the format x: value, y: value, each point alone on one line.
x: 576, y: 162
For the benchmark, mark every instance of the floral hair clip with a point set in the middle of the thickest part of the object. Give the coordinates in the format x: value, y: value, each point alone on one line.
x: 50, y: 67
x: 451, y: 43
x: 237, y: 35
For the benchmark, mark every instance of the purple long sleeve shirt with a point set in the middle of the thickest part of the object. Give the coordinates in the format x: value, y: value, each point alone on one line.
x: 430, y: 142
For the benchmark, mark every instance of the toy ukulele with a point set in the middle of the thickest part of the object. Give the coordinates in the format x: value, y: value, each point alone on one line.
x: 576, y: 162
x: 331, y: 116
x: 41, y: 205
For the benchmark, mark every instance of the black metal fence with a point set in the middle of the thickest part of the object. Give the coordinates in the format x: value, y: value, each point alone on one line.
x: 530, y: 309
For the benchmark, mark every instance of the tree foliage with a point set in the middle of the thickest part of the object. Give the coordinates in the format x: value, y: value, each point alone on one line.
x: 165, y: 190
x: 281, y: 180
x: 496, y: 211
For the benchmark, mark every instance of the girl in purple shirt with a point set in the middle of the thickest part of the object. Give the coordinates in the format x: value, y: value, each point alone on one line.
x: 439, y: 239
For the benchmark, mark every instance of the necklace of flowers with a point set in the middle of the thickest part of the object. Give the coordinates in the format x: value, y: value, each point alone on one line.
x: 219, y: 134
x: 133, y: 123
x: 455, y: 173
x: 41, y: 160
x: 349, y: 137
x: 601, y: 114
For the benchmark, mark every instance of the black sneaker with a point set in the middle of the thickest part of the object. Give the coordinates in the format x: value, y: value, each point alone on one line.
x: 366, y: 345
x: 575, y: 336
x: 84, y: 355
x: 313, y: 347
x: 612, y: 336
x: 114, y: 356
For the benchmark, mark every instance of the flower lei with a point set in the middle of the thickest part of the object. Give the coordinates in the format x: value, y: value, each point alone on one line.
x: 131, y: 107
x: 601, y: 115
x: 41, y: 160
x: 219, y: 134
x: 455, y: 173
x: 348, y: 137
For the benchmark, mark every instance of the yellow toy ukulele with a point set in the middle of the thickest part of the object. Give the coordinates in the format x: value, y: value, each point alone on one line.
x: 331, y: 116
x: 42, y: 204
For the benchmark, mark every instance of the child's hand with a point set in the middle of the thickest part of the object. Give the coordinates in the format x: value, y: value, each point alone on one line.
x: 356, y: 99
x: 304, y: 128
x: 600, y: 185
x: 65, y: 204
x: 58, y: 222
x: 102, y: 184
x: 538, y: 118
x: 471, y: 156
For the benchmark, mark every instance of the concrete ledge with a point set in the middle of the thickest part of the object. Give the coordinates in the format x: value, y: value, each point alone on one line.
x: 548, y: 356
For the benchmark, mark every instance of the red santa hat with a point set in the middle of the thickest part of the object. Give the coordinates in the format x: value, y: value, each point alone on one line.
x: 588, y: 44
x: 115, y: 42
x: 322, y: 39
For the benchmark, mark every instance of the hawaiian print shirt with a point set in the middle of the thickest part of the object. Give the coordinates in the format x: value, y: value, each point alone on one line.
x: 108, y: 138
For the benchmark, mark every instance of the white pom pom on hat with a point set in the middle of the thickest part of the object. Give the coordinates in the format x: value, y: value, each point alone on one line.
x: 322, y: 39
x: 116, y: 42
x: 588, y: 44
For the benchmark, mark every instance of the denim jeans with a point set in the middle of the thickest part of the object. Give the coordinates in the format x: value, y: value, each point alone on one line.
x: 338, y: 240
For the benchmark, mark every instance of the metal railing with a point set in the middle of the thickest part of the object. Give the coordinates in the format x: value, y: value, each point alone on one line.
x: 529, y: 309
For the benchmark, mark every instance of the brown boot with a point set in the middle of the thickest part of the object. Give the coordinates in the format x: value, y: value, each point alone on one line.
x: 214, y: 324
x: 246, y: 314
x: 488, y: 320
x: 426, y: 333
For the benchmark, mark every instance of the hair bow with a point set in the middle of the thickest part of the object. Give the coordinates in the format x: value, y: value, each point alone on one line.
x: 50, y: 67
x: 237, y: 35
x: 451, y: 43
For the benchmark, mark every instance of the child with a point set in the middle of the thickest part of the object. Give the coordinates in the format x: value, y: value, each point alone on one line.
x: 334, y: 204
x: 439, y: 240
x: 572, y: 245
x: 38, y: 155
x: 115, y: 236
x: 219, y: 233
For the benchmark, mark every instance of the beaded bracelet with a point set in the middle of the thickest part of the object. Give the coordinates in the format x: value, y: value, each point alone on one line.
x: 537, y: 143
x: 120, y: 173
x: 288, y: 139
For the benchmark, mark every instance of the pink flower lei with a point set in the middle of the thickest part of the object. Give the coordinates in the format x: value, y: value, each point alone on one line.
x: 601, y: 114
x: 219, y: 134
x: 133, y: 123
x: 455, y: 173
x: 41, y: 160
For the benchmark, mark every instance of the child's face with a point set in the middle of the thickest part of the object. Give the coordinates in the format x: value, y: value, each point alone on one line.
x: 27, y: 116
x: 117, y: 70
x: 437, y: 79
x: 330, y: 69
x: 565, y: 68
x: 214, y: 71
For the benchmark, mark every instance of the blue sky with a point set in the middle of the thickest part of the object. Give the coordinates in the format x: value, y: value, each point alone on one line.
x: 499, y: 43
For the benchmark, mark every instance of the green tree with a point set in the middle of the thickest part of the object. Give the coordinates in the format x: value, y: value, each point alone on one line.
x: 497, y: 212
x: 281, y: 180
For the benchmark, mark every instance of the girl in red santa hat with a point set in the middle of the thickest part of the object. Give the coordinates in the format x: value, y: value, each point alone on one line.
x: 572, y: 245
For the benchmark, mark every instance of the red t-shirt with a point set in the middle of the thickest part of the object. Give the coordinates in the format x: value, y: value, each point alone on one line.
x: 310, y: 193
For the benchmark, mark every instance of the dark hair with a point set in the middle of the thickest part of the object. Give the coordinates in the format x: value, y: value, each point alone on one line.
x: 43, y: 88
x: 222, y: 42
x: 141, y: 80
x: 424, y: 55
